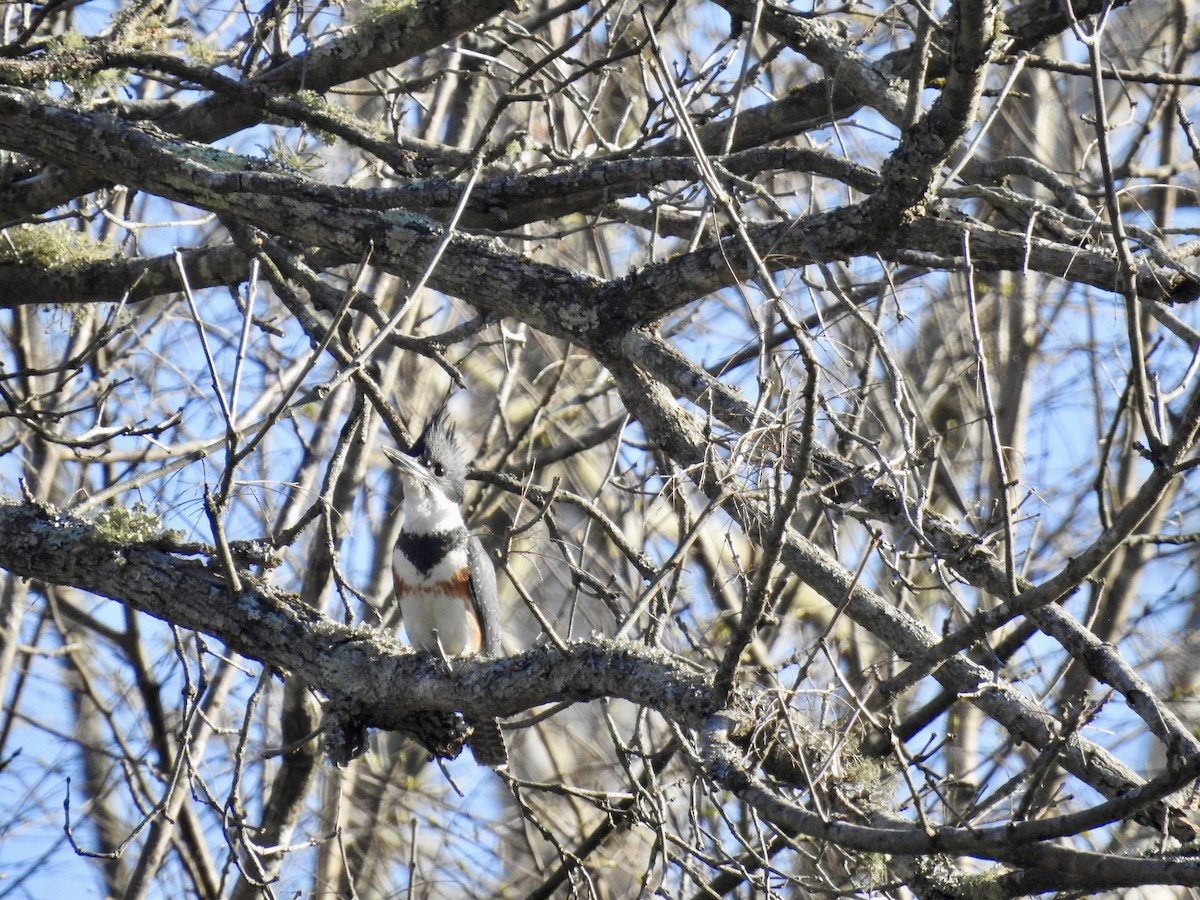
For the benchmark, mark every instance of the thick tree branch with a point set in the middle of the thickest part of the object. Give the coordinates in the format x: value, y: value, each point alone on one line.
x: 381, y: 40
x: 357, y: 668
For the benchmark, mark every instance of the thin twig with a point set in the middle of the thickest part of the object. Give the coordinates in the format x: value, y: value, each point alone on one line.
x: 989, y: 406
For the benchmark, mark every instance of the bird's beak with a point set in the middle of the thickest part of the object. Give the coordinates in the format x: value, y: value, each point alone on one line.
x: 410, y: 470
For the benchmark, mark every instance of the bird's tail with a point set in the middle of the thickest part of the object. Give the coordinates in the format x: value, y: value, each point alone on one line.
x: 487, y: 743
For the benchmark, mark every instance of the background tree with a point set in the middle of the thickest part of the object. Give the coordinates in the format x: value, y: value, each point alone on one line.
x: 832, y: 374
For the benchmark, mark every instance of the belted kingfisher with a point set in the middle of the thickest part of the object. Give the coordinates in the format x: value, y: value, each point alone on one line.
x: 445, y: 584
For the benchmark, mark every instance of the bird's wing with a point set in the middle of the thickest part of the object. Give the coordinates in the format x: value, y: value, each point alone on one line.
x: 487, y: 604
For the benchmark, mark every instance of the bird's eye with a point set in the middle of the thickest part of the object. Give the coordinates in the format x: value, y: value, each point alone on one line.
x: 439, y: 470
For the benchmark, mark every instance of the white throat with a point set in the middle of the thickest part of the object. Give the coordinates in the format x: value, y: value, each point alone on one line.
x: 429, y: 511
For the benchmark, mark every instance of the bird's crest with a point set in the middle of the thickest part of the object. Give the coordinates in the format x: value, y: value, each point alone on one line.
x: 438, y: 451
